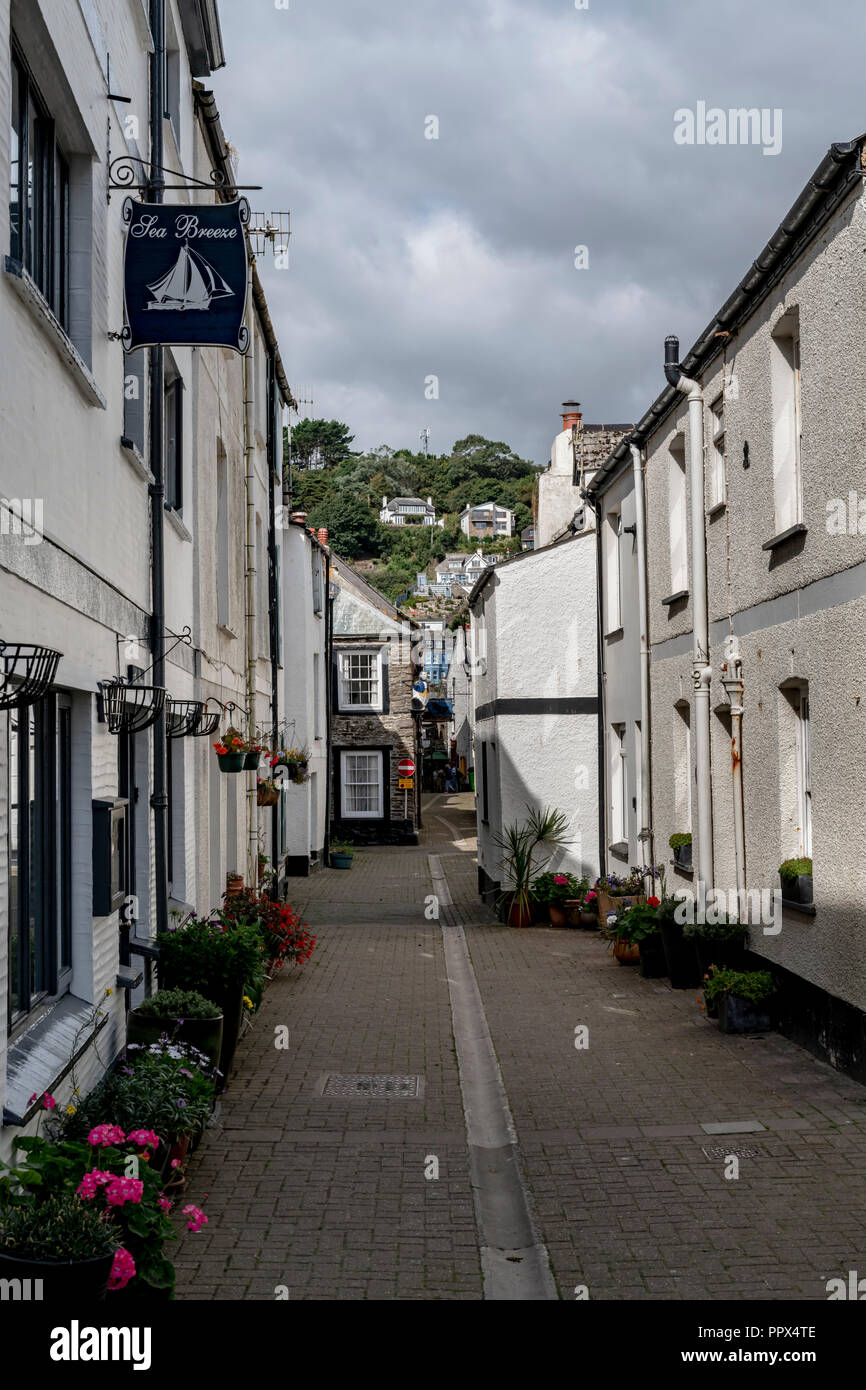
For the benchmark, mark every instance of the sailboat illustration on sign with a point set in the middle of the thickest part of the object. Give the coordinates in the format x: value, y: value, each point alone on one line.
x: 191, y: 283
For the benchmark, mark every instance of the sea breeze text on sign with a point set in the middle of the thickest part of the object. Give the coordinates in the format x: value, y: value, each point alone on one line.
x: 187, y: 225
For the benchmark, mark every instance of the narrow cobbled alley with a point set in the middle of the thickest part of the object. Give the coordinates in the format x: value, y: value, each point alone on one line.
x: 362, y: 1162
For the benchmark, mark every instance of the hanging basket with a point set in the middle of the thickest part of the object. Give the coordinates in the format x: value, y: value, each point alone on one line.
x: 129, y: 709
x: 267, y: 796
x: 208, y: 723
x: 26, y: 673
x: 231, y: 762
x: 182, y: 717
x: 251, y: 761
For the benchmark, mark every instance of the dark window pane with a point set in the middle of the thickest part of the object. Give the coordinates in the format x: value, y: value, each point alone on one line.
x: 13, y: 860
x: 15, y: 153
x: 64, y: 835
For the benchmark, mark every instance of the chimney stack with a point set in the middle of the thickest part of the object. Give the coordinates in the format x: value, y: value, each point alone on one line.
x: 571, y: 415
x: 323, y: 535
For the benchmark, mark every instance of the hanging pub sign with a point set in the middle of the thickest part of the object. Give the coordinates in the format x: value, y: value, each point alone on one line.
x: 185, y: 275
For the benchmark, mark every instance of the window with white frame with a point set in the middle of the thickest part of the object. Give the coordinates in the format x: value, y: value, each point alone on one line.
x: 677, y: 516
x: 785, y: 385
x: 39, y: 191
x: 682, y: 766
x: 717, y: 459
x: 804, y: 773
x: 361, y: 785
x: 360, y: 680
x: 618, y: 784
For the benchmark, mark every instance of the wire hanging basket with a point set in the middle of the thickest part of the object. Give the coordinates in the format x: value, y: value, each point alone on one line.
x: 26, y: 673
x: 182, y: 717
x: 208, y: 722
x: 130, y: 709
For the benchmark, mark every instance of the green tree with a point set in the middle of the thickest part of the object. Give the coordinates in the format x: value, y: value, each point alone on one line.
x: 325, y: 442
x: 352, y: 529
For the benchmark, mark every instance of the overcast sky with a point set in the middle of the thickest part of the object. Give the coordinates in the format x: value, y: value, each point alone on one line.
x: 455, y: 257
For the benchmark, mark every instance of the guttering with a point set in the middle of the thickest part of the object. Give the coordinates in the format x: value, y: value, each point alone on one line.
x: 159, y: 796
x: 601, y: 686
x: 646, y: 830
x: 701, y: 669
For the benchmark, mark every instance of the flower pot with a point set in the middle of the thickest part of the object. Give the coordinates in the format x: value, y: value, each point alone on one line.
x: 683, y: 856
x: 558, y: 916
x: 653, y: 965
x: 797, y: 890
x: 69, y: 1281
x: 234, y: 885
x: 251, y: 761
x: 341, y: 861
x: 231, y: 762
x: 682, y: 962
x: 610, y: 902
x: 573, y: 907
x: 232, y: 1005
x: 204, y: 1033
x: 711, y: 1007
x: 267, y: 796
x: 626, y: 952
x: 729, y: 955
x: 737, y: 1015
x: 519, y: 915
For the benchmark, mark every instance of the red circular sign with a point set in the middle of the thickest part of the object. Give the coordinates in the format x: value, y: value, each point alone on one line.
x: 406, y: 767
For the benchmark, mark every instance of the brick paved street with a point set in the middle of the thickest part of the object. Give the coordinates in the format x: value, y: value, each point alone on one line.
x: 327, y: 1195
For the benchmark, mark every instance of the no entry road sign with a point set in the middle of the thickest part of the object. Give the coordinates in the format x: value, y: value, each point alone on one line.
x: 406, y: 767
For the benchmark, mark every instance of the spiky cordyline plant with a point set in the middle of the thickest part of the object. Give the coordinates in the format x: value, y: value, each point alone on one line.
x: 520, y: 844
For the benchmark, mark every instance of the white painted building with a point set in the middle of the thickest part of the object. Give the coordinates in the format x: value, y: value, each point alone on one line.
x: 408, y: 511
x: 78, y: 455
x: 305, y: 661
x: 487, y: 520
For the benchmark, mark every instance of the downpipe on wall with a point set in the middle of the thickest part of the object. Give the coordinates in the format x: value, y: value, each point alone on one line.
x: 732, y: 680
x: 646, y: 830
x: 701, y: 669
x: 250, y: 574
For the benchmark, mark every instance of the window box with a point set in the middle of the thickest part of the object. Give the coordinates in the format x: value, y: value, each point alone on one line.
x: 797, y: 890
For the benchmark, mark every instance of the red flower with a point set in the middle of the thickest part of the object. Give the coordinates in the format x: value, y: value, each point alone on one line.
x: 653, y: 902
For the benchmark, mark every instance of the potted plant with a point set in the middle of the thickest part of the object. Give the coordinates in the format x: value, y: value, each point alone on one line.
x: 638, y: 926
x: 222, y: 958
x: 64, y: 1248
x: 742, y: 997
x: 796, y: 876
x: 231, y: 751
x: 252, y: 755
x: 284, y: 936
x: 296, y: 760
x: 184, y: 1015
x: 555, y: 890
x: 234, y: 883
x: 719, y: 943
x: 681, y: 844
x: 680, y: 957
x: 520, y: 843
x: 267, y: 792
x: 614, y: 891
x: 342, y: 854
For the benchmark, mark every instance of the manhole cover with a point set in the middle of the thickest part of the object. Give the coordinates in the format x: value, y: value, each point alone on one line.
x: 372, y: 1087
x: 721, y: 1154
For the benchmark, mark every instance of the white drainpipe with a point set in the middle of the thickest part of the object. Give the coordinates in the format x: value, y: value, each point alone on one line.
x: 250, y: 568
x: 732, y: 680
x: 646, y: 834
x: 701, y: 669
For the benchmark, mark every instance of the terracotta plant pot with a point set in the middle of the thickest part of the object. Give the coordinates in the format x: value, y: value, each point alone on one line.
x: 234, y: 885
x: 519, y: 915
x: 610, y: 902
x: 558, y: 916
x: 626, y: 952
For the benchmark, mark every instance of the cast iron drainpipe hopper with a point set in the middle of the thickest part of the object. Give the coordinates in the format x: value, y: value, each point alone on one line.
x: 701, y: 669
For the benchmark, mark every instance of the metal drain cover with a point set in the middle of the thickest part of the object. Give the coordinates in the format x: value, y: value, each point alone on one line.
x: 721, y: 1154
x: 367, y: 1087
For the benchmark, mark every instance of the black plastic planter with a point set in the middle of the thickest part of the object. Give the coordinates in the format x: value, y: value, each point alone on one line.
x: 738, y: 1015
x: 682, y: 962
x: 683, y: 856
x: 77, y: 1281
x: 728, y: 954
x: 204, y: 1033
x: 653, y: 964
x: 797, y: 890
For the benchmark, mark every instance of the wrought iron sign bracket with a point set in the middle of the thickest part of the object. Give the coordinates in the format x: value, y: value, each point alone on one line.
x: 123, y: 176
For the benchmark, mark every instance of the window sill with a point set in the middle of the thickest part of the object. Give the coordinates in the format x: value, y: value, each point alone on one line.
x: 620, y: 849
x: 135, y: 459
x: 799, y: 530
x: 675, y: 598
x: 29, y: 293
x: 804, y: 909
x: 43, y: 1055
x: 614, y: 632
x: 176, y: 522
x: 716, y: 510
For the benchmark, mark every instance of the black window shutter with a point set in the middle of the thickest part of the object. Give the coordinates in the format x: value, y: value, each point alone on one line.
x: 133, y: 400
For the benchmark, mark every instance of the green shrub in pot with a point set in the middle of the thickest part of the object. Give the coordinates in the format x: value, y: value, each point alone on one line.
x: 166, y: 1087
x: 178, y: 1003
x: 184, y: 1015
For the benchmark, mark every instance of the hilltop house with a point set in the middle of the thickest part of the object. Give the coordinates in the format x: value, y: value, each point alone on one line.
x: 408, y: 511
x: 486, y: 521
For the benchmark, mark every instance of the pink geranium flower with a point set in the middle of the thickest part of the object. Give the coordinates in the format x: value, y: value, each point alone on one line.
x: 106, y: 1136
x: 122, y: 1270
x: 122, y: 1190
x: 197, y: 1218
x: 560, y: 878
x: 91, y: 1183
x: 146, y: 1138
